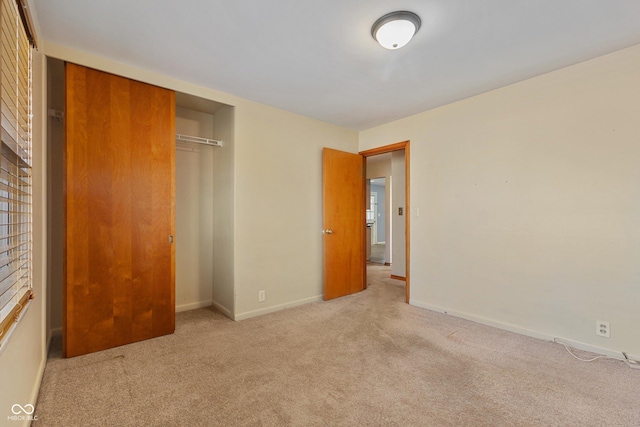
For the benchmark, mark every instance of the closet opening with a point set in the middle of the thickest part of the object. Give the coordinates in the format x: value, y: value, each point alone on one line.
x: 204, y: 204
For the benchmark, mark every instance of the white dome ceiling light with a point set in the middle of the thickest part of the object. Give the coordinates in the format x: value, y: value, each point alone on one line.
x: 395, y: 29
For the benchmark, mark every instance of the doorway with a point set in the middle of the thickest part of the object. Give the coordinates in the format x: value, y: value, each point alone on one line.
x: 377, y: 213
x: 397, y: 243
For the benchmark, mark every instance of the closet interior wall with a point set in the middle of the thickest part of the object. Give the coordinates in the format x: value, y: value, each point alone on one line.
x: 55, y: 195
x: 194, y: 212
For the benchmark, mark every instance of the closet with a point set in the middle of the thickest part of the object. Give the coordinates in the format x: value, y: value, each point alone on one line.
x: 204, y: 204
x: 149, y: 180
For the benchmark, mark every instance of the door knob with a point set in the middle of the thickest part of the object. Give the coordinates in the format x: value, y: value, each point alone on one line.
x: 327, y: 231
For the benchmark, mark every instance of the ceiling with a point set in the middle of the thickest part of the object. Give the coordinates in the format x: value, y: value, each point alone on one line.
x: 319, y: 59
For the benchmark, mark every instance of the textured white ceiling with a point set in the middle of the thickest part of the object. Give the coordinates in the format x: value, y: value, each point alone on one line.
x: 319, y: 59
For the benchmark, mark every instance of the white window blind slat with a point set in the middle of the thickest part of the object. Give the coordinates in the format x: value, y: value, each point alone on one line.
x: 7, y: 296
x: 13, y: 271
x: 20, y: 182
x: 15, y: 162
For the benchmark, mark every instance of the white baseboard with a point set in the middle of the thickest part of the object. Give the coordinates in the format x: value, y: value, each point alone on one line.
x: 222, y: 309
x: 193, y: 306
x: 524, y: 331
x: 274, y: 308
x: 56, y: 332
x: 36, y: 387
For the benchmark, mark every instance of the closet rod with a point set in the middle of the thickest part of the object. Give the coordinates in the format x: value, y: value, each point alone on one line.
x: 198, y: 140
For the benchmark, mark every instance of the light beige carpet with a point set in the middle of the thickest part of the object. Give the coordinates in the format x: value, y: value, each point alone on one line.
x: 364, y: 360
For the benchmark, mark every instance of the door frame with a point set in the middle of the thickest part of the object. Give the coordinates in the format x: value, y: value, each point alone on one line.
x: 404, y: 145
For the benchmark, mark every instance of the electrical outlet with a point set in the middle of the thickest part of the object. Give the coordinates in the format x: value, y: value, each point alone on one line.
x: 262, y: 296
x: 603, y: 328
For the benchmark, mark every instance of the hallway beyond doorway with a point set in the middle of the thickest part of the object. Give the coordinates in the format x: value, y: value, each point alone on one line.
x: 377, y: 253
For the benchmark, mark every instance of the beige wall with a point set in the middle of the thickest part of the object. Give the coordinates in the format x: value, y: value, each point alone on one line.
x: 529, y: 204
x: 278, y: 246
x: 379, y: 167
x: 22, y: 361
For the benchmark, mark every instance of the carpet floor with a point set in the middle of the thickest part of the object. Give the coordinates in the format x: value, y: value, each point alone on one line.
x: 366, y: 359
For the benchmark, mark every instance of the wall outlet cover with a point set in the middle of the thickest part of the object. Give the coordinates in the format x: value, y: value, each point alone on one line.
x: 603, y: 328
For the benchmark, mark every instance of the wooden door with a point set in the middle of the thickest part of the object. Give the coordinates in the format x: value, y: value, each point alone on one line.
x: 344, y: 223
x: 119, y: 269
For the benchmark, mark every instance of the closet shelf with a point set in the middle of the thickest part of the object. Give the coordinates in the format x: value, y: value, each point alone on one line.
x: 199, y: 140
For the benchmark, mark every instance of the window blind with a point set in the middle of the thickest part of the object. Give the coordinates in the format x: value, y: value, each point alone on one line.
x: 15, y: 166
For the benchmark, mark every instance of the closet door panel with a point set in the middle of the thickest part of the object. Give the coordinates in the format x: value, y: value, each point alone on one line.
x: 154, y: 212
x: 119, y: 195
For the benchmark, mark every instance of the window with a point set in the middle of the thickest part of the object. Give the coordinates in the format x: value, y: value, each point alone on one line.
x: 15, y: 164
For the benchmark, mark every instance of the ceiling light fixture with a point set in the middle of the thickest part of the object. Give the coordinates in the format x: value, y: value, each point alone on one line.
x: 395, y: 29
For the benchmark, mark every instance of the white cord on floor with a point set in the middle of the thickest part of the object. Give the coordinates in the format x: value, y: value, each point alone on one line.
x: 584, y: 360
x: 630, y: 363
x: 633, y: 364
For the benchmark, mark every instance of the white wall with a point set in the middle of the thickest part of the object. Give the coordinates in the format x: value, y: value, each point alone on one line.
x: 399, y: 226
x: 529, y: 204
x: 22, y: 361
x: 194, y: 212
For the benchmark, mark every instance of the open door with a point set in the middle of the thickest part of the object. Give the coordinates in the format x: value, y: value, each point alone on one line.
x: 344, y: 223
x: 119, y: 211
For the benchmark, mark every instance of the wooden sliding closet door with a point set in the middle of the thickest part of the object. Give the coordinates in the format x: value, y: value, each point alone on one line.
x: 119, y: 267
